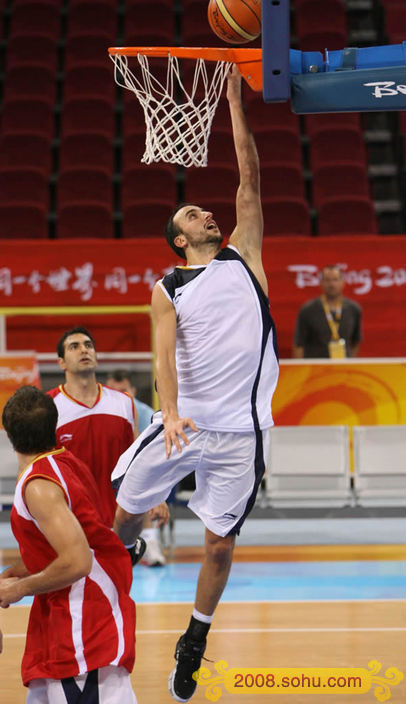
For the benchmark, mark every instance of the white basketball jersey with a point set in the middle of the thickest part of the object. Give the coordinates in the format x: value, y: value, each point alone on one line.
x: 226, y: 354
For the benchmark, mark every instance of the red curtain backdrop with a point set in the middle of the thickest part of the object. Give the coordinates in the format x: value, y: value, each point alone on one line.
x: 110, y: 272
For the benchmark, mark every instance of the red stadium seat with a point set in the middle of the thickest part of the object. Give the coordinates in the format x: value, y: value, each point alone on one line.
x: 16, y: 185
x: 314, y: 123
x: 85, y: 115
x: 282, y: 180
x: 85, y: 49
x: 261, y: 115
x: 90, y: 81
x: 97, y: 17
x: 402, y: 122
x: 84, y: 184
x: 133, y: 150
x: 25, y: 50
x: 35, y: 82
x: 144, y: 18
x: 85, y: 220
x: 132, y: 120
x: 23, y: 221
x: 216, y: 181
x: 86, y: 150
x: 347, y: 215
x: 395, y: 21
x: 146, y: 219
x: 27, y: 116
x: 286, y: 216
x: 148, y: 182
x: 320, y: 16
x: 26, y: 150
x: 35, y: 18
x: 330, y: 146
x: 319, y: 41
x: 339, y: 180
x: 278, y: 145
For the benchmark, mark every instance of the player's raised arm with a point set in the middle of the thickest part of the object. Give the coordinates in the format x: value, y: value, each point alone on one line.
x: 164, y: 317
x: 248, y: 233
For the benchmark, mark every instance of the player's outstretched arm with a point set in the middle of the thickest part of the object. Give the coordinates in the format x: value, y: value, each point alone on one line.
x: 248, y: 233
x: 164, y: 317
x: 47, y: 505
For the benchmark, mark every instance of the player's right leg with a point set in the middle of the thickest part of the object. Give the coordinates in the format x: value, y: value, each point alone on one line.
x: 144, y: 476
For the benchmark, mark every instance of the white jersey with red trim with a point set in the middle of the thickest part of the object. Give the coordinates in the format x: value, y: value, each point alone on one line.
x: 90, y: 624
x: 97, y: 436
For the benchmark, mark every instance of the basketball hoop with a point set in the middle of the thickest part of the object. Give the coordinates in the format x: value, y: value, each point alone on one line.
x: 178, y: 119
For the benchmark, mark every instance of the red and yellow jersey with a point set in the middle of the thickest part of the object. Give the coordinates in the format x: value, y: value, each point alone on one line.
x: 97, y: 436
x: 90, y: 624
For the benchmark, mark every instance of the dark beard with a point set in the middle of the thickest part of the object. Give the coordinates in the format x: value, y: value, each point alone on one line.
x: 214, y: 238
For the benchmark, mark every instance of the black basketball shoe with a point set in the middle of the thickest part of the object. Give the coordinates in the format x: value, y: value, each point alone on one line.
x: 137, y: 550
x: 188, y: 654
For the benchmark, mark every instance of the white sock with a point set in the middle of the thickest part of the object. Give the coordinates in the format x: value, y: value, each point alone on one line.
x: 202, y: 617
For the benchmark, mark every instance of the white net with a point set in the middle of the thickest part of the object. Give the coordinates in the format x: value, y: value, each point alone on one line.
x: 177, y: 122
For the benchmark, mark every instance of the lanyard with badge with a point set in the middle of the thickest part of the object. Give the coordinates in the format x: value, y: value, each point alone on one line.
x: 336, y: 346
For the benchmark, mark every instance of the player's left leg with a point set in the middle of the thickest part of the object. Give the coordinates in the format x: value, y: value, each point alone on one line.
x: 192, y: 644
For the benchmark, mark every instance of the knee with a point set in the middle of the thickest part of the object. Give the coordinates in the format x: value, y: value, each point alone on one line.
x: 220, y: 550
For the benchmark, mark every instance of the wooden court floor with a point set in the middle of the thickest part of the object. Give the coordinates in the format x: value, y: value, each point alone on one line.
x: 253, y: 634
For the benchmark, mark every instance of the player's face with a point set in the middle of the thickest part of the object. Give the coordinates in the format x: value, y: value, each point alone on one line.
x: 198, y: 226
x: 80, y: 354
x: 332, y: 283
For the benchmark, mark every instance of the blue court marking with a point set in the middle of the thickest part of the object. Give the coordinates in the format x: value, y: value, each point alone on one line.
x: 275, y: 581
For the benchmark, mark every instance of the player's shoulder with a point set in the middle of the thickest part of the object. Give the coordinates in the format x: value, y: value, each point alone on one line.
x: 115, y: 393
x: 178, y: 278
x: 54, y: 392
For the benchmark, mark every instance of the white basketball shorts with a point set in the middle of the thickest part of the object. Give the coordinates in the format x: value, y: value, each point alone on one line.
x: 228, y: 469
x: 107, y: 685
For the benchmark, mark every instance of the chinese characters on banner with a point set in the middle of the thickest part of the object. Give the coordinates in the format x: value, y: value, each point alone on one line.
x: 123, y: 272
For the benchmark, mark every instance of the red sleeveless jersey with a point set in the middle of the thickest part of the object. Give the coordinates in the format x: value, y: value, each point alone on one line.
x: 90, y: 624
x: 97, y: 436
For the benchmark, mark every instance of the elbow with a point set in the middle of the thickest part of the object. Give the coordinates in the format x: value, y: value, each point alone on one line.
x: 80, y: 567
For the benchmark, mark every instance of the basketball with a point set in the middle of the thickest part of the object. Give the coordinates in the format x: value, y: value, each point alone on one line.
x: 235, y: 21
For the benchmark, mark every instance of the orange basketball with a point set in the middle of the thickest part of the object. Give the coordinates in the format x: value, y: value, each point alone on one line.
x: 235, y: 21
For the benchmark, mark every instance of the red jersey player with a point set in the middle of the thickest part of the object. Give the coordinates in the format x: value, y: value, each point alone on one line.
x: 80, y: 634
x: 95, y: 422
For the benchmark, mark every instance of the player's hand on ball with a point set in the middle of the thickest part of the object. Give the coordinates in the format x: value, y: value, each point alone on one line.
x: 174, y: 433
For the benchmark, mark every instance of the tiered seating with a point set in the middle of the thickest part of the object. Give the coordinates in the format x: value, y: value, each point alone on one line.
x: 395, y: 21
x: 88, y: 127
x: 320, y: 24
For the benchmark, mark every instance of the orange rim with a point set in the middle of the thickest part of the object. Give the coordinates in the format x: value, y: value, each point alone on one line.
x: 249, y: 61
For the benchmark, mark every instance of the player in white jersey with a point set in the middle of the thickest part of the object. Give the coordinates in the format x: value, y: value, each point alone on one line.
x: 216, y: 372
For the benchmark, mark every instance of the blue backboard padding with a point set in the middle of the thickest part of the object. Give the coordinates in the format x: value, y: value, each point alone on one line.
x: 350, y: 91
x: 275, y: 50
x: 368, y: 57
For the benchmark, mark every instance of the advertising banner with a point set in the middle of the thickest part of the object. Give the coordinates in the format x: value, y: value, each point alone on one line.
x: 119, y: 272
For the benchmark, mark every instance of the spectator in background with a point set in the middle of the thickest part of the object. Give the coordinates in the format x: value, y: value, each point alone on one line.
x: 329, y: 325
x: 122, y: 380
